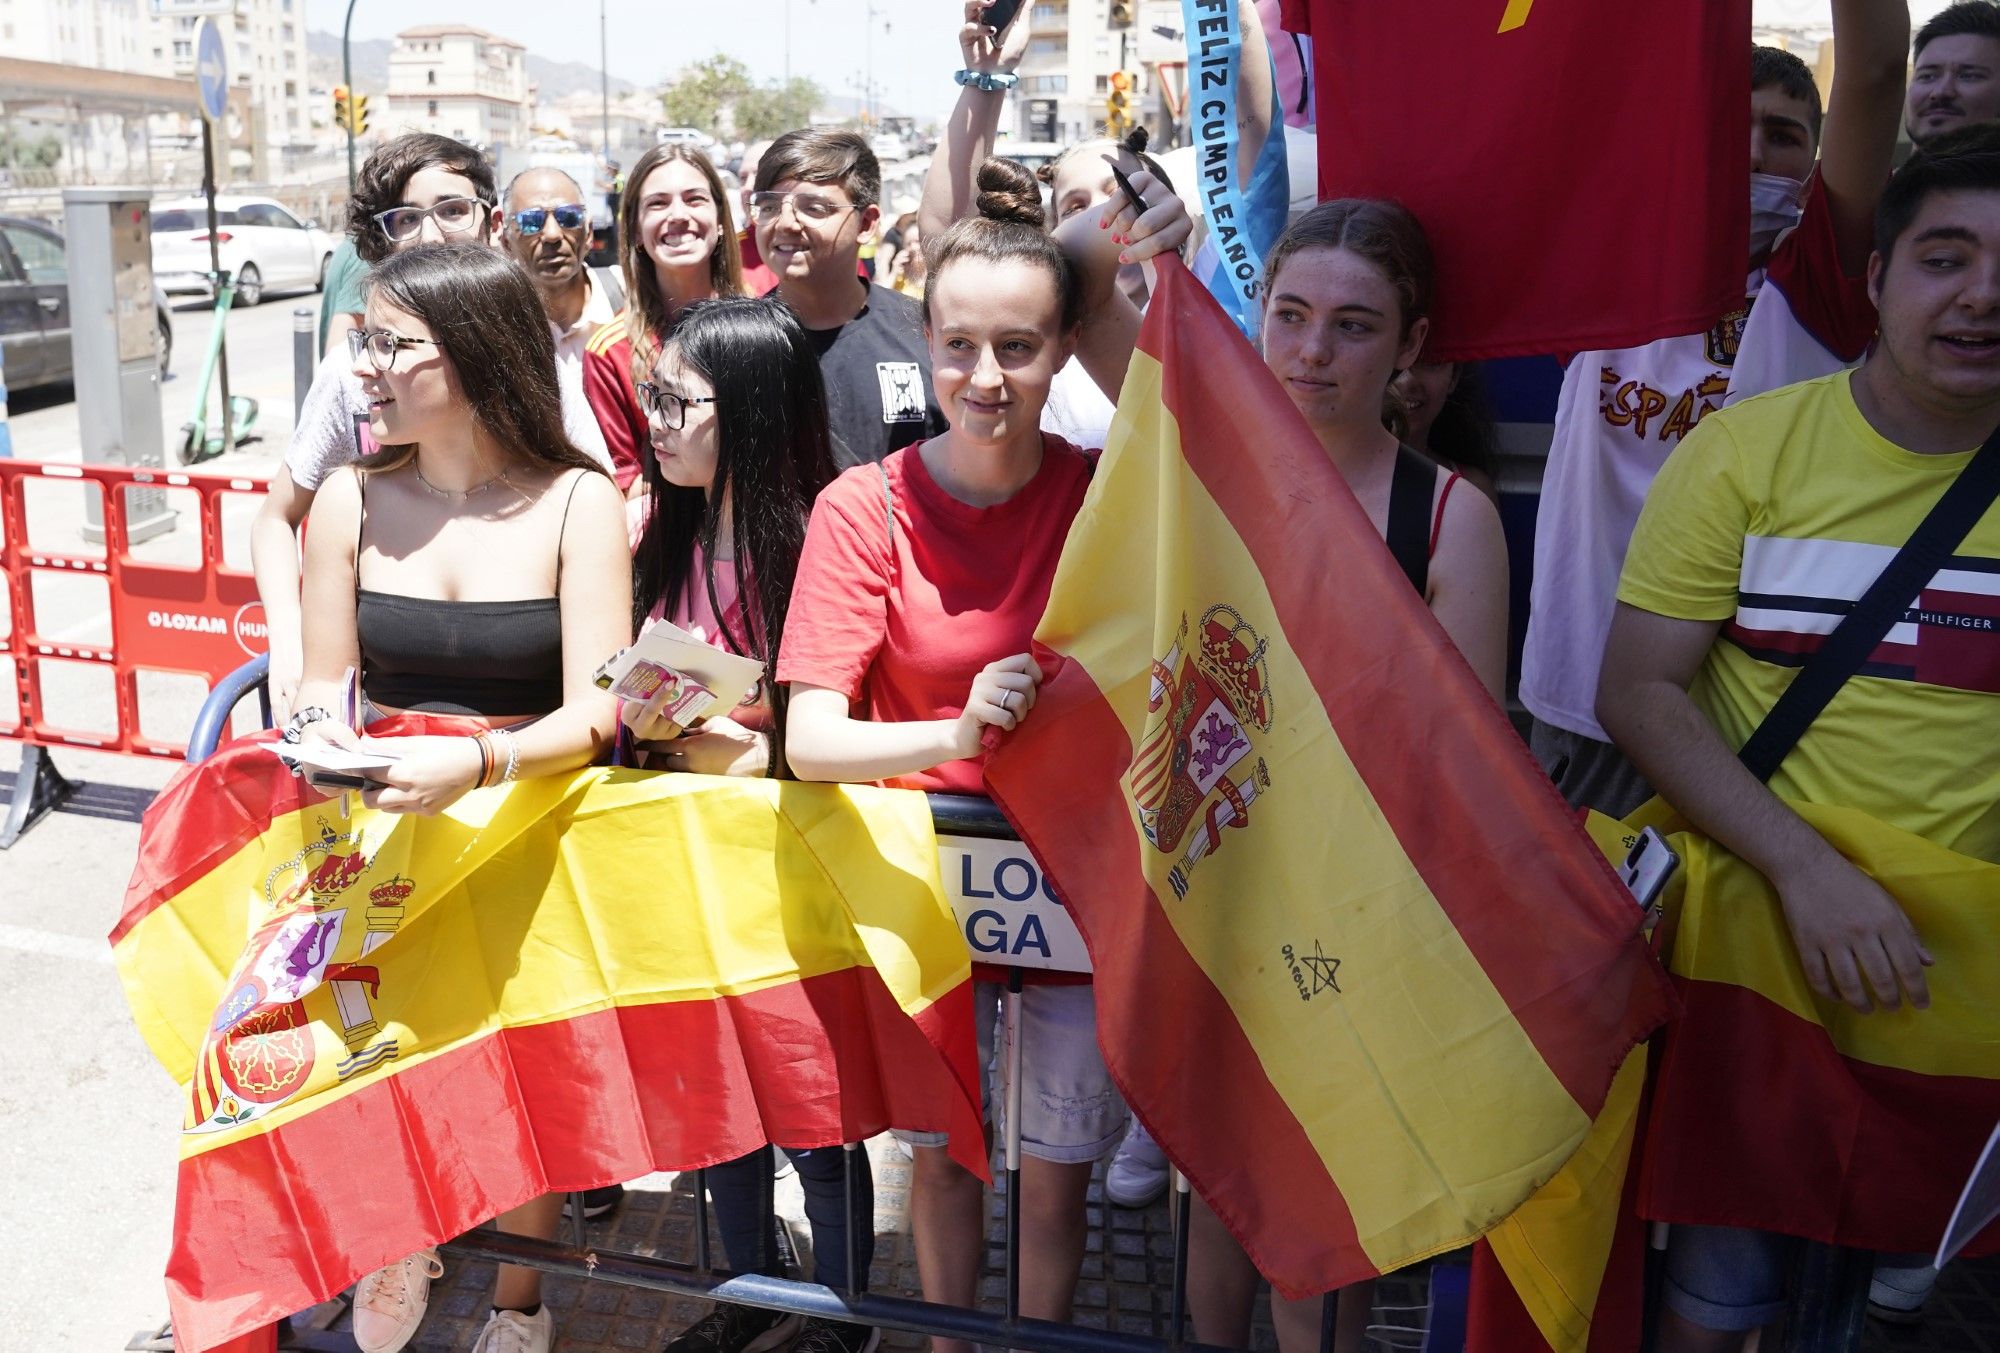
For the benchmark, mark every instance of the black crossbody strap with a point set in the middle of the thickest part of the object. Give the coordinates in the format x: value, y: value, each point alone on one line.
x: 1899, y: 584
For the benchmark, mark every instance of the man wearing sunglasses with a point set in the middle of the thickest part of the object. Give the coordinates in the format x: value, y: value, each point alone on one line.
x: 546, y: 227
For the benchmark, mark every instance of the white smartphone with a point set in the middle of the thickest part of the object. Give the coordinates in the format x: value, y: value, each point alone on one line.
x: 1647, y: 867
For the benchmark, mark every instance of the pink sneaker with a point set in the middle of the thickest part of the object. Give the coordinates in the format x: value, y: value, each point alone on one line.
x: 389, y: 1303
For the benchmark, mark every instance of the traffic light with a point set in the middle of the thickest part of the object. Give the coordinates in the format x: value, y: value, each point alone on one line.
x: 340, y: 106
x: 357, y: 114
x: 1118, y: 105
x: 1121, y: 14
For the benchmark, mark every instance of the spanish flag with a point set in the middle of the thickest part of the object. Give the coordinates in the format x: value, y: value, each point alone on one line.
x: 1554, y: 231
x: 1778, y: 1110
x: 1357, y: 968
x: 390, y: 1029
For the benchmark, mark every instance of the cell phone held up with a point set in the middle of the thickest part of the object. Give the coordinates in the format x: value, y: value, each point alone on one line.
x: 1001, y: 13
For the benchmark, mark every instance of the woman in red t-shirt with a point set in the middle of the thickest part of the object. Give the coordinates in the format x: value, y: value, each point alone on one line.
x: 676, y: 245
x: 918, y: 593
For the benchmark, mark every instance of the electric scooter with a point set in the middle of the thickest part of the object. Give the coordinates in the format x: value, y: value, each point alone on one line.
x: 196, y: 444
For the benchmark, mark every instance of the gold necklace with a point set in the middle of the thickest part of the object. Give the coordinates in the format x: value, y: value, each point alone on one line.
x: 456, y: 495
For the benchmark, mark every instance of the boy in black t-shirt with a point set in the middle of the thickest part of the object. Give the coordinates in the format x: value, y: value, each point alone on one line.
x: 815, y: 198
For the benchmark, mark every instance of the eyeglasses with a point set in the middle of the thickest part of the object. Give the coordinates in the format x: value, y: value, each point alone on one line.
x: 380, y: 345
x: 670, y: 405
x: 807, y: 206
x: 454, y: 216
x: 570, y: 216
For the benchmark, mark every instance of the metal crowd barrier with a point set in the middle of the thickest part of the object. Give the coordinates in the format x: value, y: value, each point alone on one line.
x: 1829, y: 1295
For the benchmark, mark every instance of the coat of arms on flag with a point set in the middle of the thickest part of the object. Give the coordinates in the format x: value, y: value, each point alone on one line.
x: 1205, y: 703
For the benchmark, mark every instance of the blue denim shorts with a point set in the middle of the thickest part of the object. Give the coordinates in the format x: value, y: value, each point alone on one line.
x: 1071, y: 1113
x: 1727, y: 1278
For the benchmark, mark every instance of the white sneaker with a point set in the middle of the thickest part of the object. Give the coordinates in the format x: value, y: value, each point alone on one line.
x: 1897, y: 1295
x: 1138, y: 1173
x: 517, y: 1332
x: 389, y: 1303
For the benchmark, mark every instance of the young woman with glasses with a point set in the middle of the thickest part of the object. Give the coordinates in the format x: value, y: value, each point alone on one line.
x: 739, y: 447
x: 415, y: 189
x: 474, y: 574
x: 676, y: 245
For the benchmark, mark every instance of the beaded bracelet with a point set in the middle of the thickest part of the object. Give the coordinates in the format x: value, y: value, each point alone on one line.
x: 513, y: 759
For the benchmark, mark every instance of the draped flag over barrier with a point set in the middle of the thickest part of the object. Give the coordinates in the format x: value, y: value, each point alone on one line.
x: 1554, y: 232
x: 392, y: 1028
x: 1779, y: 1110
x: 1309, y: 855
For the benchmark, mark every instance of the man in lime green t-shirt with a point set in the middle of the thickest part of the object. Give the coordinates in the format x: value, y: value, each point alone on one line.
x: 1760, y: 532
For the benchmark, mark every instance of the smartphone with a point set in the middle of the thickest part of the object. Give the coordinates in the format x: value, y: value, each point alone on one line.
x: 1001, y: 13
x: 327, y: 781
x: 1648, y: 866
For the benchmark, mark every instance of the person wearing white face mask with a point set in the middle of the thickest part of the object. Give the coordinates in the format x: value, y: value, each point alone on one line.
x: 1621, y: 413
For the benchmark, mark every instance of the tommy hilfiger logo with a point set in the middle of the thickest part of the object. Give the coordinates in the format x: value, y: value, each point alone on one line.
x: 1794, y: 593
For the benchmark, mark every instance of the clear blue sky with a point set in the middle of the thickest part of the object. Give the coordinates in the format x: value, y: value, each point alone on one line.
x: 913, y: 60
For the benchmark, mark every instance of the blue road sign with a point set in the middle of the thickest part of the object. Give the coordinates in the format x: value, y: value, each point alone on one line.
x: 211, y: 69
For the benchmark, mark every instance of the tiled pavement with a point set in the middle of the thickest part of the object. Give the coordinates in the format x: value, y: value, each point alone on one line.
x: 1126, y: 1276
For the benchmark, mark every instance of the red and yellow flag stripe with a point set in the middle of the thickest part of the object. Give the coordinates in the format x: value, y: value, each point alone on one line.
x: 1778, y: 1110
x: 1405, y: 974
x: 560, y: 984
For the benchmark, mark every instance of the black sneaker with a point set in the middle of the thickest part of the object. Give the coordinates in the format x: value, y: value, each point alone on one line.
x: 736, y: 1329
x: 597, y: 1202
x: 836, y: 1336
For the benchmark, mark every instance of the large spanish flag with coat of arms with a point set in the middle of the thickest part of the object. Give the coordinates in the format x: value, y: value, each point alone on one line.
x: 390, y: 1029
x: 1357, y: 968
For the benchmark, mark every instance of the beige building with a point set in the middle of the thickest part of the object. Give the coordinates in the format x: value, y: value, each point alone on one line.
x: 1066, y: 72
x: 106, y: 34
x: 462, y: 82
x: 265, y: 44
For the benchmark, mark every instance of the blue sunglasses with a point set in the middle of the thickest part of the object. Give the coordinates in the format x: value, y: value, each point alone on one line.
x: 530, y: 220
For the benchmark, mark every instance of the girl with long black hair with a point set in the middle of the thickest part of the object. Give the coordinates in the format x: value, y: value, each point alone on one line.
x: 737, y: 421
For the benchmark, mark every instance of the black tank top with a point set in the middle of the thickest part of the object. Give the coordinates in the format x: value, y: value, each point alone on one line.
x: 491, y: 658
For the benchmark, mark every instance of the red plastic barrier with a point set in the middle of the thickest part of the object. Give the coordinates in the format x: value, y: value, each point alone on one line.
x: 201, y: 621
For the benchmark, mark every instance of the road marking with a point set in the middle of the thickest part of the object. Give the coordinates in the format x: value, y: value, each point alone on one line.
x: 23, y: 940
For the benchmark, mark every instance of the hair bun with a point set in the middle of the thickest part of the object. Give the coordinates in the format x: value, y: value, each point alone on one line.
x: 1135, y: 140
x: 1008, y: 191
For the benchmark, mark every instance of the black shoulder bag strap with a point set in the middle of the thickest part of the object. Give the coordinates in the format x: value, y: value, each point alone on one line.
x: 1899, y: 584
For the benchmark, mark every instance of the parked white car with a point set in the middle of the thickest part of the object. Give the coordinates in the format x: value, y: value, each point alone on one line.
x: 264, y: 247
x: 889, y: 148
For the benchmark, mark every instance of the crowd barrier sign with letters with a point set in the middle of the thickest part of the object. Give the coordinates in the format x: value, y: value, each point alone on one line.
x: 168, y: 614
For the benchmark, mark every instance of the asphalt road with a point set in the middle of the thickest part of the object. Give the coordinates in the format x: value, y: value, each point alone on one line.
x: 88, y: 1120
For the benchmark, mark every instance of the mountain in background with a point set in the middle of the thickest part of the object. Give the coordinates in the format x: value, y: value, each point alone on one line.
x: 371, y: 68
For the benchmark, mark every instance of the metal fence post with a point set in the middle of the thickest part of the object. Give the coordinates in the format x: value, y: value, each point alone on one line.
x: 305, y: 360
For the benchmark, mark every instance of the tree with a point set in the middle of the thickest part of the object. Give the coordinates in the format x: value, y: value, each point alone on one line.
x: 773, y: 109
x: 701, y: 94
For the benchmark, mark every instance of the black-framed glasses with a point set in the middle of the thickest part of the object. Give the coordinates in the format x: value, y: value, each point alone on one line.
x: 454, y: 216
x: 670, y: 405
x: 381, y: 346
x: 806, y: 206
x: 569, y: 216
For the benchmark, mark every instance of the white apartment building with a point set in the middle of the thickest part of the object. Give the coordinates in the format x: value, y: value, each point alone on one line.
x: 264, y: 42
x: 106, y: 34
x: 1066, y: 72
x: 461, y: 82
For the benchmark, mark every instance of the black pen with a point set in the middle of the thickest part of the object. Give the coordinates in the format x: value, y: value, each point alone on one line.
x: 1131, y: 193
